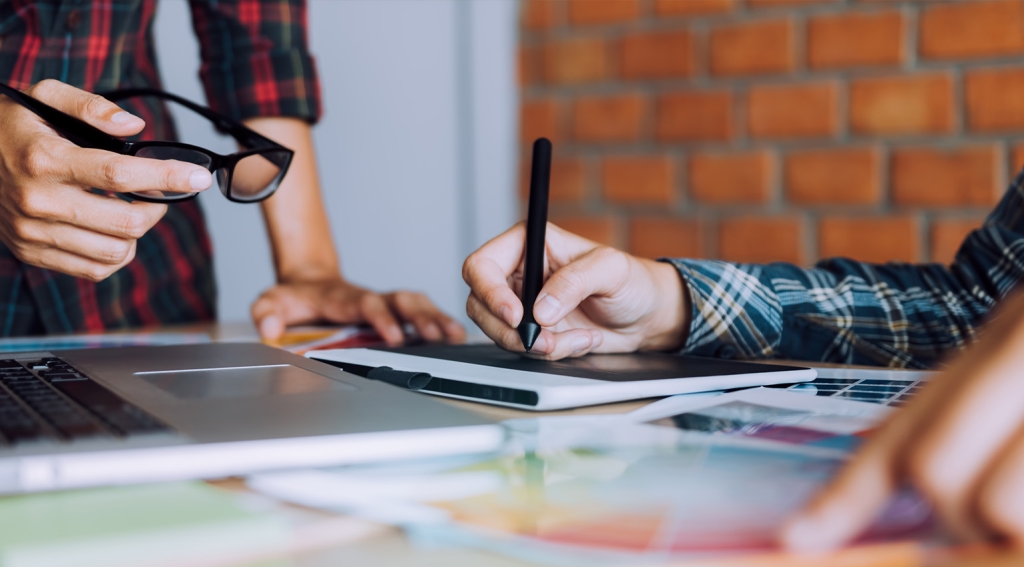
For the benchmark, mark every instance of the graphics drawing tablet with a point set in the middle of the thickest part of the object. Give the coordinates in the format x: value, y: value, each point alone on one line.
x: 489, y: 374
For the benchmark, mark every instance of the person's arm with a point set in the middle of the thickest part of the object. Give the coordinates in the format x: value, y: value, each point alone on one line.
x: 310, y: 286
x: 959, y: 443
x: 256, y: 67
x: 840, y: 311
x: 902, y: 315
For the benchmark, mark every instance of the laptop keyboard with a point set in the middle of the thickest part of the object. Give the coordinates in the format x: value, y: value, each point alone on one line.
x: 48, y: 399
x: 884, y: 391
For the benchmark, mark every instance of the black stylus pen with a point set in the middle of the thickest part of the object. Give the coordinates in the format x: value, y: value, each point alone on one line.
x: 536, y: 227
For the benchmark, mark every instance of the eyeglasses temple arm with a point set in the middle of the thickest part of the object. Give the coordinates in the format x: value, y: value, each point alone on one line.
x: 75, y: 130
x: 238, y: 131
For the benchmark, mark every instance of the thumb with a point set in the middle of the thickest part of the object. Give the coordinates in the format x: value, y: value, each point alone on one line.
x: 90, y: 108
x: 598, y: 272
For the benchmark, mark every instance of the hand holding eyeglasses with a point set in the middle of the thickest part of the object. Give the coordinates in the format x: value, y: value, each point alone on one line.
x: 49, y: 217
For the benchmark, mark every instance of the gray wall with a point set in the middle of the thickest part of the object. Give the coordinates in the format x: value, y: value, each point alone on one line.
x: 416, y: 148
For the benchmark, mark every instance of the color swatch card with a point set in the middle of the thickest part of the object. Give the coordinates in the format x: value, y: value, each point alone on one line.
x: 773, y: 416
x: 156, y: 525
x: 604, y: 491
x: 301, y: 340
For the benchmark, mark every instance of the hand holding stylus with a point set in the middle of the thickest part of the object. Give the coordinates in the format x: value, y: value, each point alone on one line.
x: 594, y: 298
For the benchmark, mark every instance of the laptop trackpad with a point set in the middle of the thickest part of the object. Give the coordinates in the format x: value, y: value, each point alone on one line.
x: 251, y: 381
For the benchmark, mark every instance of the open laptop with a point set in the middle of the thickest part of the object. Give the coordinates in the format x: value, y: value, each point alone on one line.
x: 79, y: 418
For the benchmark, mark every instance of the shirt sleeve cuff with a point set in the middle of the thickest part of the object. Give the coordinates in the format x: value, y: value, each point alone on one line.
x: 735, y: 312
x: 281, y: 83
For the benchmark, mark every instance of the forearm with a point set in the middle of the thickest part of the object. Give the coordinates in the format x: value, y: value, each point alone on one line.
x: 297, y: 225
x: 841, y: 311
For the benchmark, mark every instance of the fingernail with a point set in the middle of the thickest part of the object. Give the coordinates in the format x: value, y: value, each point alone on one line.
x: 431, y: 332
x: 506, y: 315
x: 803, y: 535
x: 395, y: 336
x: 546, y: 309
x: 580, y: 343
x: 270, y: 327
x: 452, y: 328
x: 124, y: 118
x: 200, y: 179
x: 541, y: 345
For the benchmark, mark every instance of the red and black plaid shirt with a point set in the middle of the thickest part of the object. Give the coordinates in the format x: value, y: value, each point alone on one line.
x: 255, y: 62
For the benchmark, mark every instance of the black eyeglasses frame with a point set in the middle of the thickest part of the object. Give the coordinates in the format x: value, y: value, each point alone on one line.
x: 85, y: 135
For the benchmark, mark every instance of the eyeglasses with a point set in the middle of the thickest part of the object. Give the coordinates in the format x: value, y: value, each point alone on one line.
x: 248, y: 176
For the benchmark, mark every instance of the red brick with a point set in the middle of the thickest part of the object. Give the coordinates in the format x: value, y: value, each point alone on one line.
x: 633, y: 179
x: 753, y: 48
x: 540, y: 118
x: 914, y: 104
x: 945, y: 178
x: 600, y: 229
x: 583, y: 12
x: 791, y: 111
x: 850, y: 40
x: 780, y: 3
x: 971, y: 29
x: 694, y: 115
x: 529, y: 66
x: 609, y: 118
x: 848, y: 176
x: 657, y: 55
x: 568, y: 181
x: 946, y: 236
x: 538, y: 14
x: 995, y: 99
x: 721, y: 178
x: 576, y: 61
x: 870, y: 239
x: 657, y: 237
x: 692, y: 7
x: 761, y: 239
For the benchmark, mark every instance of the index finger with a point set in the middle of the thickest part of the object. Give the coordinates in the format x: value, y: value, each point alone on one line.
x: 487, y: 271
x: 124, y: 174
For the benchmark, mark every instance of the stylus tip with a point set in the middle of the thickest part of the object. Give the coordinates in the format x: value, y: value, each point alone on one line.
x: 529, y: 332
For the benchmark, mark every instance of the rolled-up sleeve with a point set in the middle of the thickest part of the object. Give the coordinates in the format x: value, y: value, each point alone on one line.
x: 255, y: 58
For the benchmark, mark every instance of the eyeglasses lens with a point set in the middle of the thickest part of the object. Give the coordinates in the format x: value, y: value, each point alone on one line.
x: 256, y: 176
x: 172, y: 153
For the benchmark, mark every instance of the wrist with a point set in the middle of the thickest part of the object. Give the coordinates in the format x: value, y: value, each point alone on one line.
x: 670, y: 319
x: 309, y: 272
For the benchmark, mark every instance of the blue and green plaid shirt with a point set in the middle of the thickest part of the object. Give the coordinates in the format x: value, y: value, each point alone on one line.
x: 844, y: 311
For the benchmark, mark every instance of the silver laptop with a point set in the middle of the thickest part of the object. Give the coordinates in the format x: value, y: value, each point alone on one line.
x: 79, y: 418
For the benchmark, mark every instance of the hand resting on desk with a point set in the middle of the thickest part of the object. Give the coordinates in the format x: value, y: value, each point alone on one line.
x: 960, y: 443
x: 594, y: 299
x: 334, y: 300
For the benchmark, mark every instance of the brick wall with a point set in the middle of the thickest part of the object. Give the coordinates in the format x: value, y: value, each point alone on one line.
x: 760, y: 130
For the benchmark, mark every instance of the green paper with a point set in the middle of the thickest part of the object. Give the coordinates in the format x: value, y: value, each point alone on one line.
x: 158, y: 524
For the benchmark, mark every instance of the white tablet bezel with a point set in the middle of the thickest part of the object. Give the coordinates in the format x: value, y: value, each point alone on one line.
x: 555, y: 391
